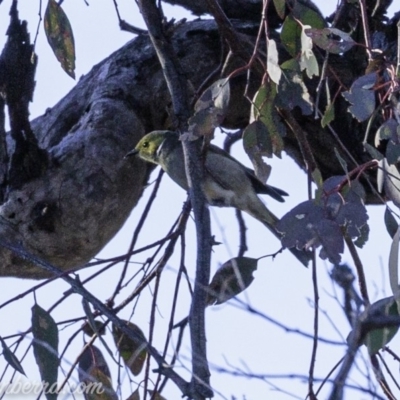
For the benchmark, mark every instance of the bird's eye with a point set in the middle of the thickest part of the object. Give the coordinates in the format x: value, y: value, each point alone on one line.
x: 145, y: 144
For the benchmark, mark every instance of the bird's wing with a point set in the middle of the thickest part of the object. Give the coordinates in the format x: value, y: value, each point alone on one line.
x: 258, y: 186
x: 226, y: 171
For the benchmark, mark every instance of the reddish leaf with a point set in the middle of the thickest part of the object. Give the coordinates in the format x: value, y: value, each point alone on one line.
x: 60, y: 37
x: 326, y: 39
x: 95, y: 375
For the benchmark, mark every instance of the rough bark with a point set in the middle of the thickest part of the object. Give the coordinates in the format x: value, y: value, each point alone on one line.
x: 68, y: 213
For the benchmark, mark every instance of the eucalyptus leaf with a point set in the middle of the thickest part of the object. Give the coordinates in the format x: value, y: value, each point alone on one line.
x: 362, y: 97
x: 216, y: 96
x: 60, y: 36
x: 390, y: 223
x: 94, y: 375
x: 323, y: 38
x: 376, y: 339
x: 391, y: 181
x: 135, y: 395
x: 45, y: 348
x: 132, y: 351
x: 11, y: 358
x: 280, y: 6
x: 273, y: 69
x: 232, y: 278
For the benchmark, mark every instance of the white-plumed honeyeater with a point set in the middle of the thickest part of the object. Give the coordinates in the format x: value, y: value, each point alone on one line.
x: 227, y: 182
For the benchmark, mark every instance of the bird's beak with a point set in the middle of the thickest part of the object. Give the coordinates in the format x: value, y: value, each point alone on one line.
x: 132, y: 153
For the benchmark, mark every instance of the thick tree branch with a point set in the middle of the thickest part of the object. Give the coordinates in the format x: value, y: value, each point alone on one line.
x: 179, y: 90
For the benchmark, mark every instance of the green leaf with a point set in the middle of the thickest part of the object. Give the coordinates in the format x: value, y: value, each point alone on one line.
x: 257, y: 143
x: 291, y: 30
x: 132, y: 351
x: 232, y: 278
x: 290, y: 65
x: 308, y: 14
x: 317, y: 178
x: 341, y: 160
x: 290, y: 35
x: 203, y: 123
x: 256, y: 136
x: 60, y: 37
x: 45, y: 348
x: 89, y: 315
x: 323, y: 38
x: 379, y: 338
x: 264, y: 110
x: 329, y: 115
x: 11, y: 358
x: 280, y: 7
x: 99, y: 328
x: 390, y: 223
x: 292, y: 90
x: 93, y: 325
x: 210, y: 110
x: 373, y: 152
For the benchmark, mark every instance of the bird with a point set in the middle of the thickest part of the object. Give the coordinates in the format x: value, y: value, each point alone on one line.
x: 226, y: 182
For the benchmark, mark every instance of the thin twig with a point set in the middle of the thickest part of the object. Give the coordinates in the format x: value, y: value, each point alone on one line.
x: 38, y: 25
x: 178, y: 88
x: 152, y: 327
x: 242, y: 233
x: 311, y: 392
x: 367, y: 37
x: 340, y: 379
x: 301, y: 138
x: 322, y: 79
x: 173, y: 309
x: 138, y: 229
x: 164, y: 259
x: 224, y: 26
x: 388, y: 370
x: 381, y: 378
x: 360, y: 270
x: 97, y: 304
x: 125, y: 26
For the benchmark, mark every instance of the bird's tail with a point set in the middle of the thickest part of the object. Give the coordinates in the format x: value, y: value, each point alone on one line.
x: 270, y: 220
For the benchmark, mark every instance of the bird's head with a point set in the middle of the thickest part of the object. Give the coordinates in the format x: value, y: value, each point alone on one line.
x: 148, y: 147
